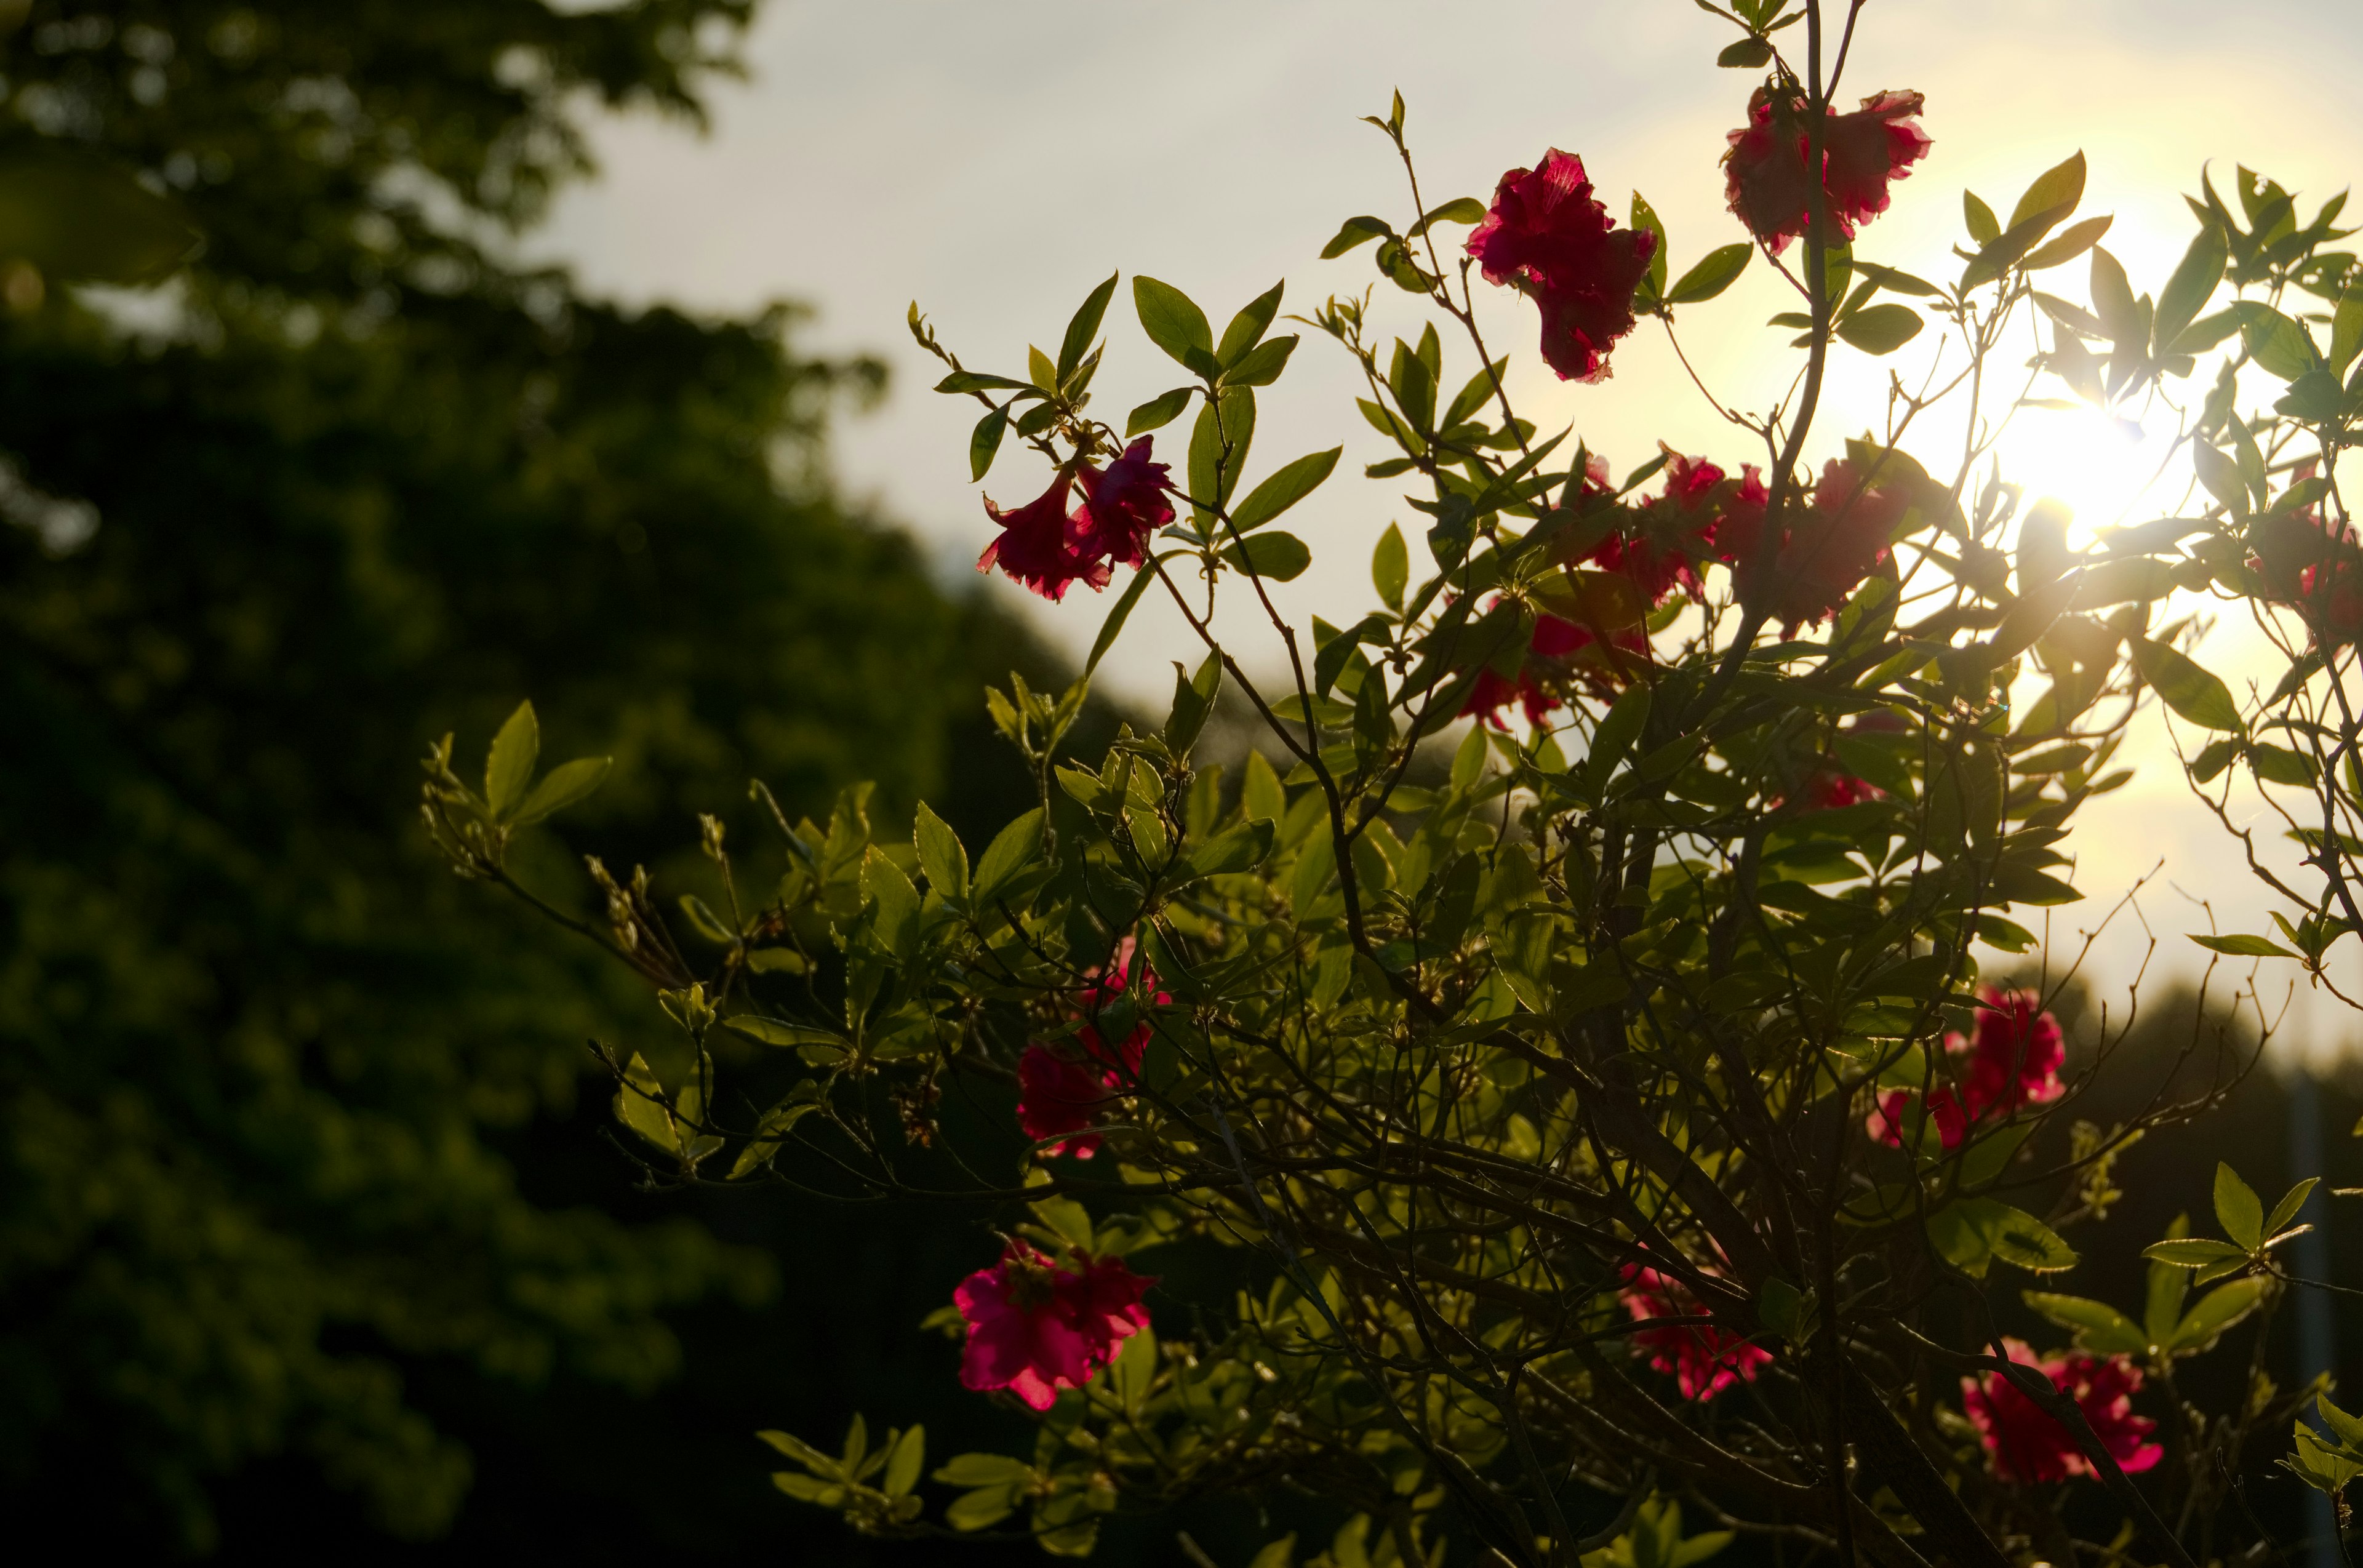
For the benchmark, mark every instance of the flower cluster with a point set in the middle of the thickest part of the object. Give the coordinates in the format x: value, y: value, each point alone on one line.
x: 1826, y: 548
x: 1035, y: 1327
x: 1559, y: 648
x: 2312, y: 567
x: 1662, y: 547
x: 1044, y: 547
x: 1703, y: 1359
x: 1548, y: 236
x: 1060, y: 1094
x: 1768, y: 182
x: 2026, y: 1444
x: 2014, y: 1060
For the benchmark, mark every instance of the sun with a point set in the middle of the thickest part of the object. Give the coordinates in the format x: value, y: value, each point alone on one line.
x: 2107, y: 470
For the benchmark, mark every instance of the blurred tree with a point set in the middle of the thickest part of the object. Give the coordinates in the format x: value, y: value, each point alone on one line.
x: 347, y: 482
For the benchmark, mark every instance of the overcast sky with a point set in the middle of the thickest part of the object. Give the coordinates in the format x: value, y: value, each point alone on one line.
x: 994, y: 162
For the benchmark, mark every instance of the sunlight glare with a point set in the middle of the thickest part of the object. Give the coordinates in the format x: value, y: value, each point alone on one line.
x: 2108, y: 470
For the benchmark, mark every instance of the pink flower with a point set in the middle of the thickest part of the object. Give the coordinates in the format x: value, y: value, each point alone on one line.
x: 1124, y: 505
x: 1035, y: 1327
x: 1825, y: 551
x: 1703, y: 1359
x: 1033, y: 546
x: 1768, y: 182
x: 2014, y: 1060
x: 2023, y: 1443
x: 1549, y: 237
x: 1061, y: 1093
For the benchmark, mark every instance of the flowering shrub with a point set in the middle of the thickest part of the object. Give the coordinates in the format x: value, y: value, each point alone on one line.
x: 1617, y: 1102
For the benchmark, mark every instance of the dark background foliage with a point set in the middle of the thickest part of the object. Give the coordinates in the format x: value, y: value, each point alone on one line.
x: 313, y: 1240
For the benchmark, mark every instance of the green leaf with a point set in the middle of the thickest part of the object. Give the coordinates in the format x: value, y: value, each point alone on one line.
x: 2215, y: 1312
x: 985, y: 1470
x: 563, y: 787
x: 2187, y: 292
x: 941, y: 855
x: 2347, y: 327
x: 508, y: 768
x: 2292, y: 1201
x: 2021, y: 1240
x: 1081, y: 329
x: 1618, y: 728
x: 2195, y: 1253
x: 1282, y: 557
x: 1747, y: 54
x: 1968, y: 1232
x: 1158, y: 412
x: 2099, y: 1326
x: 2069, y: 244
x: 1175, y: 323
x: 2278, y: 765
x: 82, y: 219
x: 1283, y: 489
x: 1391, y: 568
x: 1646, y: 220
x: 2281, y: 346
x: 963, y: 382
x: 910, y: 1453
x: 2244, y: 946
x: 772, y: 1031
x: 1247, y: 328
x: 1241, y: 847
x: 2185, y: 687
x: 1012, y: 850
x: 984, y: 441
x: 981, y: 1510
x: 2221, y: 477
x: 1881, y: 329
x: 2062, y: 185
x: 2239, y: 1210
x: 2113, y: 302
x: 1261, y: 365
x: 1714, y: 273
x: 1984, y: 227
x: 1119, y: 613
x: 803, y: 1452
x: 638, y: 1106
x: 1357, y: 231
x: 1193, y: 700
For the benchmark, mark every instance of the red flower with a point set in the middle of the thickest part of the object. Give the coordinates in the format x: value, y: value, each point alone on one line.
x: 1768, y: 182
x: 1674, y: 531
x: 1703, y: 1359
x: 2017, y: 1055
x: 1548, y: 236
x: 1035, y: 1327
x: 1559, y: 648
x: 1890, y: 1121
x: 2316, y: 569
x: 1033, y: 546
x: 2014, y: 1060
x: 1832, y: 790
x: 1123, y: 506
x: 1057, y: 1096
x: 2026, y: 1444
x: 1825, y: 554
x: 1059, y: 1093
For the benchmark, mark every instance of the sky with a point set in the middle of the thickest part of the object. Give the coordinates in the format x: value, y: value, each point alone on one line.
x: 994, y: 162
